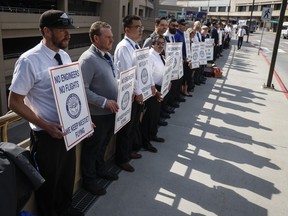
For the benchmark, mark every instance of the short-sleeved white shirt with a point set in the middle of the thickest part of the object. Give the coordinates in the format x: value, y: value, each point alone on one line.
x: 31, y: 78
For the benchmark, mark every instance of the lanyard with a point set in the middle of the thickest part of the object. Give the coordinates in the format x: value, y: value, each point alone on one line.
x: 131, y: 44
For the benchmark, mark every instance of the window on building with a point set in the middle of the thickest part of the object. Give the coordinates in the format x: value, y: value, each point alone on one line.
x: 212, y: 9
x: 79, y: 40
x: 277, y: 6
x: 265, y: 6
x: 241, y: 8
x: 135, y: 11
x: 254, y: 9
x: 221, y: 9
x: 141, y: 13
x: 123, y: 11
x: 203, y: 9
x: 83, y: 8
x: 27, y: 6
x: 14, y: 47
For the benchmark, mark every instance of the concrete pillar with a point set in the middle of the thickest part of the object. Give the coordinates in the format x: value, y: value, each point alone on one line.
x: 3, y: 95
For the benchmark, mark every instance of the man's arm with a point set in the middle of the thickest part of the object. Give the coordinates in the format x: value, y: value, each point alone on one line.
x: 16, y: 103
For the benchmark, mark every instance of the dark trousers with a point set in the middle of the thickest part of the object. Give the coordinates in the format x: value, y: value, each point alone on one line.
x: 175, y: 90
x: 240, y: 41
x: 57, y: 166
x: 149, y: 124
x: 94, y: 147
x: 129, y: 137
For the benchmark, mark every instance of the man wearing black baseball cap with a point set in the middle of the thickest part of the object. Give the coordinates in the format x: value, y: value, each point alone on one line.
x: 31, y: 97
x: 182, y: 22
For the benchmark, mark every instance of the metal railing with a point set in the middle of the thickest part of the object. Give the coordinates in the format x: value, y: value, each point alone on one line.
x: 5, y: 120
x: 21, y: 10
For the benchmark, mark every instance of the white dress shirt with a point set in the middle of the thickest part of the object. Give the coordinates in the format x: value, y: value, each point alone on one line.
x: 171, y: 36
x: 157, y: 67
x: 125, y: 58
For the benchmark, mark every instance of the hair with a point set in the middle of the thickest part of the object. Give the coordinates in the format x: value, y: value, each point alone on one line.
x: 155, y: 38
x: 197, y: 24
x: 191, y: 30
x: 171, y: 20
x: 96, y: 27
x: 128, y: 20
x: 159, y: 19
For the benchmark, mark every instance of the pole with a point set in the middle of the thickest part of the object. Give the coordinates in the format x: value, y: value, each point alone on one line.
x: 229, y: 12
x: 276, y: 44
x: 264, y: 24
x: 252, y: 9
x: 207, y: 11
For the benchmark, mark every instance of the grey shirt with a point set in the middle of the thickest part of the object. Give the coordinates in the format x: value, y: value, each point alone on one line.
x: 99, y: 81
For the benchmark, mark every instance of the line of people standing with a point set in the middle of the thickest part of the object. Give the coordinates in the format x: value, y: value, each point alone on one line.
x: 31, y: 97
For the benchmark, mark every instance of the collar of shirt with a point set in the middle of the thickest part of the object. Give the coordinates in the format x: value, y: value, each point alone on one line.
x: 101, y: 52
x: 131, y: 42
x: 49, y: 52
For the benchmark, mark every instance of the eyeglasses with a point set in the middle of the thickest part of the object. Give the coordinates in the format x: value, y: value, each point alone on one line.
x: 139, y: 28
x: 160, y: 43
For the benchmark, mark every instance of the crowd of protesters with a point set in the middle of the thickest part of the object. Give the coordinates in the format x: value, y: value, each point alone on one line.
x: 31, y: 97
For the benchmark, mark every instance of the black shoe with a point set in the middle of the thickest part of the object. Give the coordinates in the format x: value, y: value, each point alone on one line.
x: 127, y: 167
x: 109, y: 176
x: 202, y: 82
x: 162, y: 123
x: 94, y: 188
x: 175, y: 105
x: 181, y: 99
x: 72, y: 211
x: 164, y: 115
x: 158, y: 139
x: 150, y: 148
x: 169, y: 109
x: 197, y: 83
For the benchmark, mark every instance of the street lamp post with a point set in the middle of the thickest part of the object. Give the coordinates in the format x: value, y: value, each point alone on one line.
x: 276, y: 43
x: 207, y: 11
x: 229, y: 8
x: 252, y: 9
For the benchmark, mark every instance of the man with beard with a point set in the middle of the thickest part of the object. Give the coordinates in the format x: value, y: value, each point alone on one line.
x: 31, y: 97
x: 171, y: 31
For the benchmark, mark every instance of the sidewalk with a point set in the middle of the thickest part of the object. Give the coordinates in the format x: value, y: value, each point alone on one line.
x: 225, y: 151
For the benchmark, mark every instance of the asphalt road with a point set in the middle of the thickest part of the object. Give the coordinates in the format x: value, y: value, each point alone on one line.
x: 267, y: 46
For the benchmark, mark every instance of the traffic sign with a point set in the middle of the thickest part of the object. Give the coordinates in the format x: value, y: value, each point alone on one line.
x: 274, y: 21
x: 266, y: 14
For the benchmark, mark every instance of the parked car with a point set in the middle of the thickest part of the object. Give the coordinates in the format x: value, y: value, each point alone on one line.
x: 284, y: 31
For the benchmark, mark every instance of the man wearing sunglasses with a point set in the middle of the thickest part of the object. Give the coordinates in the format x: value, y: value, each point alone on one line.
x: 31, y: 97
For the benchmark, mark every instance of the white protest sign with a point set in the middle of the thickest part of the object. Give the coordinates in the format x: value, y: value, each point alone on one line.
x: 220, y: 36
x: 209, y: 48
x: 202, y: 54
x: 181, y: 70
x: 175, y: 50
x: 71, y: 102
x: 195, y: 55
x: 143, y: 73
x: 187, y: 45
x: 124, y: 99
x: 167, y: 76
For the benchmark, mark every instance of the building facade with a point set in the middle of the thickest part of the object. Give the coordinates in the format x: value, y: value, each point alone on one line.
x: 19, y: 27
